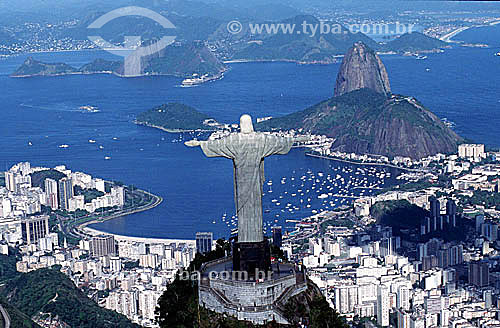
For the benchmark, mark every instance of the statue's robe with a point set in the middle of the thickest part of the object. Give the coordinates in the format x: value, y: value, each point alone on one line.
x: 248, y: 150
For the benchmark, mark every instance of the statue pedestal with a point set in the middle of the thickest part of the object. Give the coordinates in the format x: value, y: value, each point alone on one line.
x: 252, y: 257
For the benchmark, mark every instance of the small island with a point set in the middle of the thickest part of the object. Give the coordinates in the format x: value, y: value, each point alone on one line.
x: 176, y: 117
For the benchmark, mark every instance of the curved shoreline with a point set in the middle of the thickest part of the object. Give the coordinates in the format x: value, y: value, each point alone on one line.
x: 118, y: 237
x: 82, y: 230
x: 449, y: 36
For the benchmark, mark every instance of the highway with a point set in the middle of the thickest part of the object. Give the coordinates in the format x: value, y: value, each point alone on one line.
x: 5, y: 316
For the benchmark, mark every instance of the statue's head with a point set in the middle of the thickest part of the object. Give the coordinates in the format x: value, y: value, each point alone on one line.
x: 246, y: 124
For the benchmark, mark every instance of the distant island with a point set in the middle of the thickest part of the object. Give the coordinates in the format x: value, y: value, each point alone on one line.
x: 175, y: 117
x: 415, y: 42
x: 184, y: 60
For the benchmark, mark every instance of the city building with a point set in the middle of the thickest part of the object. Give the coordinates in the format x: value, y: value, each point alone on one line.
x: 51, y: 193
x: 65, y: 192
x: 473, y: 151
x: 10, y: 181
x: 277, y: 236
x: 479, y: 274
x: 102, y: 245
x: 35, y: 228
x: 383, y: 306
x: 204, y: 242
x: 435, y: 208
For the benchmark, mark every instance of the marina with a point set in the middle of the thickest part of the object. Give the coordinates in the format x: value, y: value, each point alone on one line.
x: 289, y: 199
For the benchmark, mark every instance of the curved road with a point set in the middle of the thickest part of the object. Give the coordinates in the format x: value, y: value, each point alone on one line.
x: 6, y: 317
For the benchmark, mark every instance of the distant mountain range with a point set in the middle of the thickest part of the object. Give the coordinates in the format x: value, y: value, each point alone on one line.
x: 319, y: 47
x: 298, y: 46
x: 196, y: 21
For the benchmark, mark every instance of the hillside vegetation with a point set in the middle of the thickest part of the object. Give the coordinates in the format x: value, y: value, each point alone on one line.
x: 173, y: 116
x: 49, y: 291
x: 366, y: 122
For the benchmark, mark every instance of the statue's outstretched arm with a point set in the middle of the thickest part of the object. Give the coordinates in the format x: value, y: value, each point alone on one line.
x: 193, y: 143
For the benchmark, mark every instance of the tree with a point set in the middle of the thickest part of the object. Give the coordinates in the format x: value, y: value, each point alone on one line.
x: 177, y: 306
x: 323, y: 316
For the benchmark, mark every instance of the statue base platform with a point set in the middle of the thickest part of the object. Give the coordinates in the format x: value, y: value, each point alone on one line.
x: 223, y: 291
x: 252, y: 257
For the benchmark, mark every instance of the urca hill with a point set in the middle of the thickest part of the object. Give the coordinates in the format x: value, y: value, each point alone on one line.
x: 364, y: 117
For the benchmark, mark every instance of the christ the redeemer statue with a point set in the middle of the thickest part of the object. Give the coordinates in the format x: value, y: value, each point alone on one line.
x: 247, y: 149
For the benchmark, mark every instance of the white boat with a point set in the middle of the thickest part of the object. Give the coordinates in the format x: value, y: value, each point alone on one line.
x: 63, y: 146
x: 191, y: 82
x: 91, y: 141
x: 497, y: 54
x: 88, y: 108
x: 107, y: 157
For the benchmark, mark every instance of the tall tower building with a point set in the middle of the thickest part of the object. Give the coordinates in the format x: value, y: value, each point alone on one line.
x: 479, y: 221
x: 277, y: 236
x: 479, y: 274
x: 65, y: 192
x: 10, y: 181
x: 403, y: 298
x: 451, y: 211
x: 204, y: 242
x: 435, y: 208
x: 383, y: 306
x: 51, y: 193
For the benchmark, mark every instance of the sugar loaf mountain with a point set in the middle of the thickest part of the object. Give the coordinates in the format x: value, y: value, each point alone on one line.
x: 364, y: 117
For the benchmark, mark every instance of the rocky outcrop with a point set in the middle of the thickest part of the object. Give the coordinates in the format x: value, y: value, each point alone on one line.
x: 362, y: 68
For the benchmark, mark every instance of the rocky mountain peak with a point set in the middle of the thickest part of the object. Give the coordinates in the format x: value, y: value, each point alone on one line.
x: 362, y: 68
